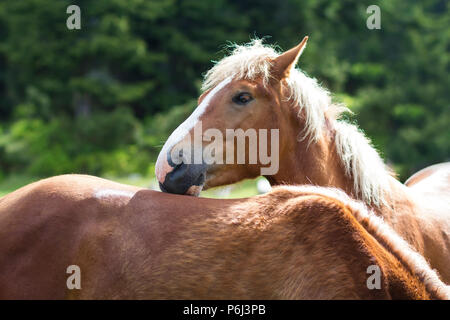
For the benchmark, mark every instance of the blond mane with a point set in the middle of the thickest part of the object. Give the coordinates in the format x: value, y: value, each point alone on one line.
x: 360, y: 160
x: 386, y: 236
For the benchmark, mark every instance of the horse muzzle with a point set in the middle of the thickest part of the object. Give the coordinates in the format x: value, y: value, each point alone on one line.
x: 183, y: 178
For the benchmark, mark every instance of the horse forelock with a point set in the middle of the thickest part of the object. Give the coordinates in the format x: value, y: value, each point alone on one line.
x: 361, y: 161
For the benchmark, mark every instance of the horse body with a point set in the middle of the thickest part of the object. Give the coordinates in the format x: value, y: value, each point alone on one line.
x: 429, y: 190
x: 136, y: 243
x: 256, y: 88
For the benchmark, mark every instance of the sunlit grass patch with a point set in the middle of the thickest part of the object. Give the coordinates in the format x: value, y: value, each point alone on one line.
x: 246, y: 188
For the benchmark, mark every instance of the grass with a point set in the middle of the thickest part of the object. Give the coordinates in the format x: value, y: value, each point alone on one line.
x: 243, y: 189
x: 246, y: 188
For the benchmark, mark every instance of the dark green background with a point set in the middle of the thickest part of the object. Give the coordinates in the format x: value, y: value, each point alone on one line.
x: 102, y: 100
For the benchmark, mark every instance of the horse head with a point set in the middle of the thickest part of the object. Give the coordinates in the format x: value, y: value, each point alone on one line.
x: 239, y: 105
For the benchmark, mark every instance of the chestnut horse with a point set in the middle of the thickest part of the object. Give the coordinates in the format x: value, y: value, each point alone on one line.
x: 133, y: 243
x: 254, y: 89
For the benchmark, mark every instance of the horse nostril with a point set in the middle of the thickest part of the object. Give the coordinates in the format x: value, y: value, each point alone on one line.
x: 175, y: 164
x: 178, y: 166
x: 182, y: 177
x: 178, y: 172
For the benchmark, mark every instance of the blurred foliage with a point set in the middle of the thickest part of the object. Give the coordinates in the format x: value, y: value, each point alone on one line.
x: 103, y: 99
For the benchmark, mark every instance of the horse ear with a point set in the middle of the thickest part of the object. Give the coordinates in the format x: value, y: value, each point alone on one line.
x: 283, y: 64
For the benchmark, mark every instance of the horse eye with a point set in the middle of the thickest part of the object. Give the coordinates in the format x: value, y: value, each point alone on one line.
x: 242, y: 98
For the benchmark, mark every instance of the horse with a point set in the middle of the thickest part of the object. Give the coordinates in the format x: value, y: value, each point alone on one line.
x: 256, y: 89
x: 133, y: 243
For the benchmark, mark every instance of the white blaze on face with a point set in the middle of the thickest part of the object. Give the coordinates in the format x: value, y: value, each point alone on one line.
x: 162, y: 166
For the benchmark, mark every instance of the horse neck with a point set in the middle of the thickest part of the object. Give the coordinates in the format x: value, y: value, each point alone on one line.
x: 318, y: 163
x: 315, y: 163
